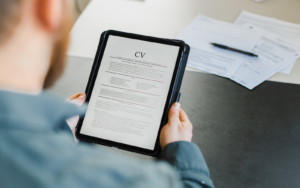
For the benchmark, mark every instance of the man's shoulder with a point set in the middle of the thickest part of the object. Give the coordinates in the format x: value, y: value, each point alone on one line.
x: 38, y: 158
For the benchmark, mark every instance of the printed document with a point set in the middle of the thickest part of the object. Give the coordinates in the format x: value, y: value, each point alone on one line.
x: 283, y: 29
x: 203, y: 56
x: 288, y: 68
x: 130, y: 92
x: 274, y: 53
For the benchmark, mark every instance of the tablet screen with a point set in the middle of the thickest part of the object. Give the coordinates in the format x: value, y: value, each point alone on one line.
x: 130, y: 92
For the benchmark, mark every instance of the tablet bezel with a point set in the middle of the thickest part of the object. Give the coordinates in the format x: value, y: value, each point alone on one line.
x: 170, y: 98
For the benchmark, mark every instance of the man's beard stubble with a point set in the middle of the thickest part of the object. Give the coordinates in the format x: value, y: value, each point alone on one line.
x: 58, y: 62
x: 58, y: 58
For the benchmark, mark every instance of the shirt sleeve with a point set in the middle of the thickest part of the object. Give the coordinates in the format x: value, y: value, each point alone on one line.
x: 188, y: 160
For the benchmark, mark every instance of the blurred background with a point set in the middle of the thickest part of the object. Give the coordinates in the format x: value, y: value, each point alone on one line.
x: 79, y: 6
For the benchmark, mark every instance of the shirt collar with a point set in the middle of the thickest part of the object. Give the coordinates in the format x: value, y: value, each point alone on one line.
x: 18, y: 91
x: 38, y: 112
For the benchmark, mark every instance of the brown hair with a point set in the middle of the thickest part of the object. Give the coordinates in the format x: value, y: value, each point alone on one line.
x: 10, y: 16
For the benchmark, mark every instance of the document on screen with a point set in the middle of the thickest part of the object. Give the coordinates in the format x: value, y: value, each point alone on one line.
x: 130, y: 92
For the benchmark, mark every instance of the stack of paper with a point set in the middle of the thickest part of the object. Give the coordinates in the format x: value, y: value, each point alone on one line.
x: 277, y: 44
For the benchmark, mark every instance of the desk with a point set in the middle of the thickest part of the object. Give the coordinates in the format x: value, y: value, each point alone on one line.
x: 249, y: 138
x: 167, y: 18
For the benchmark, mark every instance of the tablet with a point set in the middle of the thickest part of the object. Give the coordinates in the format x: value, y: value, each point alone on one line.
x: 133, y: 82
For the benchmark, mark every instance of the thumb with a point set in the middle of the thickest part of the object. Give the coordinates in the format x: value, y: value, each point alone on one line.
x: 174, y: 113
x: 82, y: 98
x: 79, y: 100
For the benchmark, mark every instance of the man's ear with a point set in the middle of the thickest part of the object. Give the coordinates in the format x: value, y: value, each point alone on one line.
x: 49, y: 13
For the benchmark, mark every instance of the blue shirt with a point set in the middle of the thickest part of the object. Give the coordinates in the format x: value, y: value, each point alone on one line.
x: 37, y: 150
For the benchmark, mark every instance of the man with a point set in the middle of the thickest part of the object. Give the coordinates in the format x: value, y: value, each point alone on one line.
x: 36, y: 145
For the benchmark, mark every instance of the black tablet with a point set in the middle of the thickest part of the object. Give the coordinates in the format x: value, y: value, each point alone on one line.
x: 133, y: 82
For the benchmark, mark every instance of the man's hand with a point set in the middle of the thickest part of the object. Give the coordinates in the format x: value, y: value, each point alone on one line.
x: 178, y: 128
x: 79, y: 100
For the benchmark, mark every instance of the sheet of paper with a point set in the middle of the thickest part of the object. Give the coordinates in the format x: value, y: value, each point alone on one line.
x: 203, y: 56
x: 293, y: 44
x: 284, y: 29
x: 274, y: 54
x: 288, y: 69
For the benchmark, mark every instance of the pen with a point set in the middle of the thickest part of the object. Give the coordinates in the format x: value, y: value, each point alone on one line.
x: 233, y: 49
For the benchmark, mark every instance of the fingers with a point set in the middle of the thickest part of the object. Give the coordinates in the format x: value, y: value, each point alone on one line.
x: 78, y: 99
x: 182, y: 116
x: 76, y: 96
x: 174, y: 113
x: 72, y: 122
x: 82, y: 97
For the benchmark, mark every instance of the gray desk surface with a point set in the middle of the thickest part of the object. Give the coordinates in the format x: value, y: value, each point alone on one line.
x: 248, y: 138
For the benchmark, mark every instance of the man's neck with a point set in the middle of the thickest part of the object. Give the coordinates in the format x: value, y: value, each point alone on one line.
x: 23, y: 62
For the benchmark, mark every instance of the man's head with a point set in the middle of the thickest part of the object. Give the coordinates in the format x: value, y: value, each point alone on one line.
x: 33, y: 42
